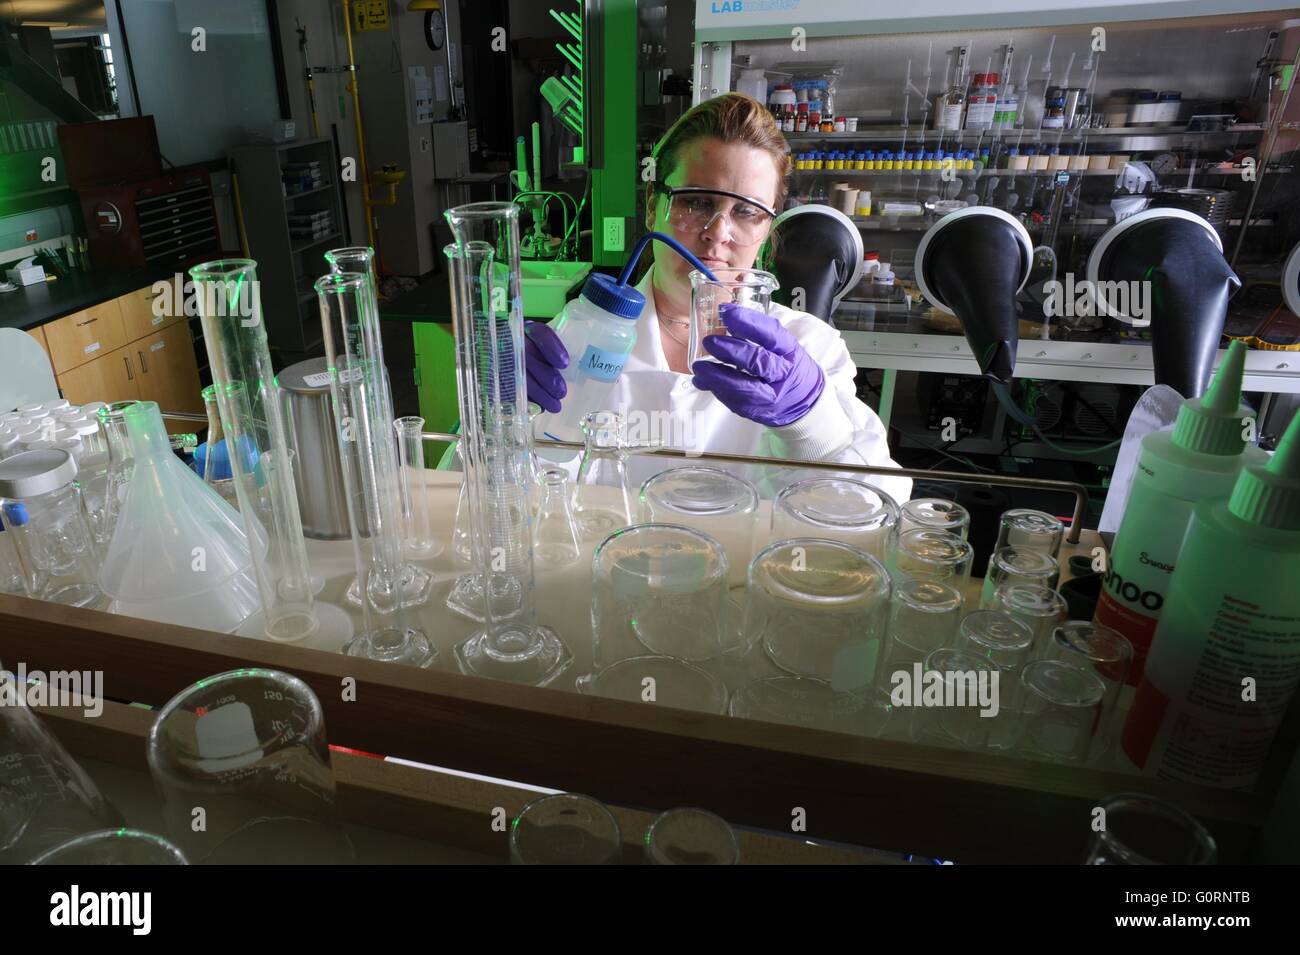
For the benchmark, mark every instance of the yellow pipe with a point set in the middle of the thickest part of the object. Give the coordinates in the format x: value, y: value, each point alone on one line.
x: 239, y: 216
x: 356, y: 115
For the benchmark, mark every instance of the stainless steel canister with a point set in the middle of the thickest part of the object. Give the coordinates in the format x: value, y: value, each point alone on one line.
x: 318, y: 471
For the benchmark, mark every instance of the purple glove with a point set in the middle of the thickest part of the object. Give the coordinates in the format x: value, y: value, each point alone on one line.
x: 544, y: 355
x: 774, y: 381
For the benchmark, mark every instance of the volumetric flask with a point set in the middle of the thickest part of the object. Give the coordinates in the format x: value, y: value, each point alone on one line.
x: 711, y: 500
x: 1061, y: 707
x: 1007, y: 644
x: 45, y: 797
x: 1040, y: 608
x: 602, y: 498
x: 417, y: 524
x: 113, y: 847
x: 660, y: 590
x: 949, y: 696
x: 243, y: 766
x: 1105, y: 654
x: 690, y: 837
x: 934, y: 513
x: 751, y: 288
x: 837, y: 509
x: 1142, y: 830
x: 1017, y: 564
x: 1030, y: 529
x: 932, y: 554
x: 565, y: 829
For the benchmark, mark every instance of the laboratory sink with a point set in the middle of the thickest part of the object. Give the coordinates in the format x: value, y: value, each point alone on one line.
x: 546, y: 285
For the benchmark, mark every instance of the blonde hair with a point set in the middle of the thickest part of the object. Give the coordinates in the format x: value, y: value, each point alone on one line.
x: 731, y: 118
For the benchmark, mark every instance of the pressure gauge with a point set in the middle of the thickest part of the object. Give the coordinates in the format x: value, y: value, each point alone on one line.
x: 1164, y: 164
x: 435, y: 29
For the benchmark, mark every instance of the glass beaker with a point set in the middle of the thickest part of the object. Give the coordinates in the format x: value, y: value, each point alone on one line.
x: 252, y: 419
x: 690, y: 837
x: 45, y: 797
x: 245, y: 753
x: 934, y: 513
x: 1061, y: 708
x: 179, y: 554
x: 416, y: 522
x: 1030, y: 529
x: 1007, y: 644
x: 712, y: 500
x: 955, y: 720
x: 496, y: 445
x: 1018, y: 564
x: 371, y: 483
x: 818, y: 609
x: 1041, y: 608
x: 1143, y: 830
x: 42, y: 510
x: 565, y: 829
x: 751, y: 288
x: 923, y: 553
x: 556, y: 538
x: 837, y: 509
x: 924, y: 615
x: 113, y: 847
x: 602, y: 497
x: 660, y: 591
x: 1105, y: 654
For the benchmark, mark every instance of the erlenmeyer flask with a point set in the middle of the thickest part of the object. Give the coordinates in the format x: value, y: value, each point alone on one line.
x: 179, y: 554
x: 496, y: 445
x: 602, y: 497
x: 45, y: 797
x: 555, y: 540
x: 371, y: 479
x: 362, y: 340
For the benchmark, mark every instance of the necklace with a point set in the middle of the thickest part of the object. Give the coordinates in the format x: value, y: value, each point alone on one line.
x: 664, y: 324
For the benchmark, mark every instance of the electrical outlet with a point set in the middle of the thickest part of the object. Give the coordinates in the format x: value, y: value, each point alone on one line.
x: 613, y: 234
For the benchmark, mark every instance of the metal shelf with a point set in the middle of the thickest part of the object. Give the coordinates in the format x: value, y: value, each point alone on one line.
x: 918, y: 134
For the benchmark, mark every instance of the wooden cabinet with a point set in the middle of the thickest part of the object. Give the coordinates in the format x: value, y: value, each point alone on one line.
x: 169, y: 372
x: 112, y: 377
x: 138, y: 318
x: 120, y: 351
x: 85, y: 336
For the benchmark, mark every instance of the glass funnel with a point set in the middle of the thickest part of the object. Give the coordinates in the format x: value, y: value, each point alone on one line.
x: 371, y: 480
x: 248, y: 398
x: 496, y: 445
x: 361, y: 339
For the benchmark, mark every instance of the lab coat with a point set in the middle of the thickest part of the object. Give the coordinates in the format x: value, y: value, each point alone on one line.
x: 665, y: 408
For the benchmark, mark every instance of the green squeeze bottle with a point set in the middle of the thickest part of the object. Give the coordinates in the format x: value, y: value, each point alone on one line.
x: 1225, y: 661
x: 1198, y: 460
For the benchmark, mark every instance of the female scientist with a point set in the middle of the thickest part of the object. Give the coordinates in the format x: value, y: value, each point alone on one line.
x: 786, y: 388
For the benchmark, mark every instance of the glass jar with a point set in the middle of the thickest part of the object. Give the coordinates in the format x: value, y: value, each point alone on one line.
x: 41, y: 506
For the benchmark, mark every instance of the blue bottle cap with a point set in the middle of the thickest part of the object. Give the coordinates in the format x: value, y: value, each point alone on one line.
x: 604, y: 292
x: 15, y: 513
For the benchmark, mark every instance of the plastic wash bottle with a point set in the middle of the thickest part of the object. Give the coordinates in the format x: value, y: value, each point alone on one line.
x: 1226, y: 657
x: 1199, y: 459
x: 598, y: 329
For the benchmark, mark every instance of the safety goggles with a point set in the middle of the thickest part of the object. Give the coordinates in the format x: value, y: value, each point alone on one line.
x: 695, y: 209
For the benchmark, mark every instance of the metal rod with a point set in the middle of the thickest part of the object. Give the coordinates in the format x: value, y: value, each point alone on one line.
x: 1270, y: 138
x: 1078, y: 491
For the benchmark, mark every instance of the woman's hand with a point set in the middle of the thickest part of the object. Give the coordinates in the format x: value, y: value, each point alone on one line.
x: 544, y: 356
x: 774, y: 381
